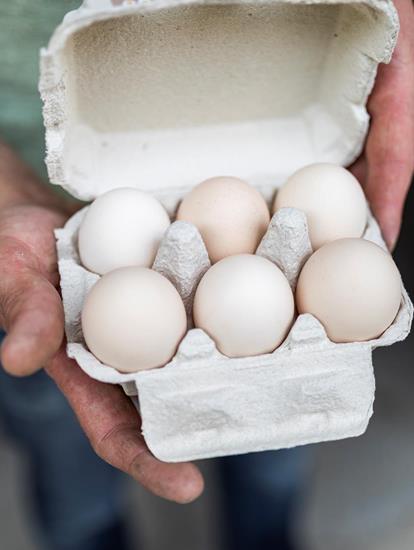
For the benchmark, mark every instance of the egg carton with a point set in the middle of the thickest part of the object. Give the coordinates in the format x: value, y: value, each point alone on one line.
x: 161, y: 94
x: 203, y: 404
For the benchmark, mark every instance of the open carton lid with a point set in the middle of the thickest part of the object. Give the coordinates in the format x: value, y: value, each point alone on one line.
x: 162, y: 94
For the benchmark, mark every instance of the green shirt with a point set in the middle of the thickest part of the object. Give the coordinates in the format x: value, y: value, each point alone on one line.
x: 25, y: 26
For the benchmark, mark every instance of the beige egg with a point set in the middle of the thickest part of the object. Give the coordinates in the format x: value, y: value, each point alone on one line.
x: 245, y: 304
x: 133, y: 319
x: 353, y: 287
x: 332, y: 199
x: 231, y: 216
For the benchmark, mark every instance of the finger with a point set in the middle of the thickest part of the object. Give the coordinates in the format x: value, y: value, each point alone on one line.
x: 113, y: 427
x: 390, y: 153
x: 390, y: 144
x: 30, y: 311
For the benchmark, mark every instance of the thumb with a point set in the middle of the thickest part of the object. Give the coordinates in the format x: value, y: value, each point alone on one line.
x: 30, y: 311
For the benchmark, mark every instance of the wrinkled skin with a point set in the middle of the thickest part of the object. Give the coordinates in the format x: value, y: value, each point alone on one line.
x: 31, y: 309
x: 32, y: 314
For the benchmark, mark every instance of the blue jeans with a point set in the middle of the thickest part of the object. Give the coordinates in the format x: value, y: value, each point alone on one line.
x: 76, y: 498
x: 261, y: 493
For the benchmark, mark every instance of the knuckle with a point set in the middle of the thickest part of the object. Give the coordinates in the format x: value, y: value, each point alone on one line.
x: 17, y: 270
x: 121, y: 436
x: 15, y: 257
x: 100, y: 443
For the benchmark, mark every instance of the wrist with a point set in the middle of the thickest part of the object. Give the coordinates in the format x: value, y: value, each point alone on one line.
x: 19, y: 185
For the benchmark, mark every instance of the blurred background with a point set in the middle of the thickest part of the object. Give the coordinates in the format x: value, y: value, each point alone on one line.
x: 359, y: 493
x: 356, y: 494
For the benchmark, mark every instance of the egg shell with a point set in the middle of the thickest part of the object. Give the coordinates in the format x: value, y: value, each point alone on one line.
x: 353, y: 287
x: 332, y: 199
x: 231, y: 215
x: 245, y: 304
x: 122, y: 227
x: 133, y: 319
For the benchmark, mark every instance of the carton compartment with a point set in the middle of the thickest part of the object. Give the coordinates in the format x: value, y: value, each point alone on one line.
x: 164, y: 94
x: 183, y: 259
x: 203, y: 404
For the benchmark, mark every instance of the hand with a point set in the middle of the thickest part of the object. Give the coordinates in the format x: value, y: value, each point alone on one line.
x: 386, y: 167
x: 31, y: 312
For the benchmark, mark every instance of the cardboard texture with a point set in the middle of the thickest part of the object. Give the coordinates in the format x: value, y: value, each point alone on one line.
x: 161, y: 95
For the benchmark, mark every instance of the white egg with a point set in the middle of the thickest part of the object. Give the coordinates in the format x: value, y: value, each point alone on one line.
x: 353, y: 287
x: 245, y: 304
x: 231, y: 215
x: 133, y: 319
x: 332, y: 199
x: 121, y: 228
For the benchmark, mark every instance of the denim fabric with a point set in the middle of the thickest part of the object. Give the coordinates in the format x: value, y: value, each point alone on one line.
x: 75, y: 497
x: 261, y: 492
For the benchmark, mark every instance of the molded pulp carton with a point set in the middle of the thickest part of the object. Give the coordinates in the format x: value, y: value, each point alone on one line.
x: 162, y: 94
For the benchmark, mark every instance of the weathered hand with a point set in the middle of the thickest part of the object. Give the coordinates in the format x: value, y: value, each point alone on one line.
x: 32, y: 314
x: 386, y: 167
x: 30, y: 306
x: 112, y: 425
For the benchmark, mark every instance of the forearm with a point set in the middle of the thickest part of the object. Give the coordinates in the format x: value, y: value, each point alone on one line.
x: 20, y: 185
